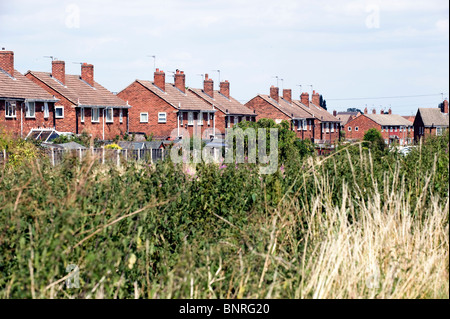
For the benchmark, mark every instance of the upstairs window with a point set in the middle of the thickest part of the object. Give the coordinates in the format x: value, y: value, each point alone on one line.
x: 95, y: 115
x: 349, y: 128
x: 121, y: 116
x: 30, y: 109
x: 144, y: 117
x: 332, y: 126
x: 356, y: 128
x: 10, y: 109
x: 162, y: 117
x: 190, y: 118
x: 82, y: 115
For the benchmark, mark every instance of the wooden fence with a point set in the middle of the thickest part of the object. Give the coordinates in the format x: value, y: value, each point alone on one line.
x: 103, y: 155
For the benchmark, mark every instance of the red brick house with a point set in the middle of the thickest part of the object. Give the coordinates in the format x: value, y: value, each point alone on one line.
x: 84, y: 105
x: 393, y: 127
x: 23, y: 104
x: 282, y: 108
x: 431, y: 121
x: 325, y: 127
x: 159, y: 108
x: 229, y: 110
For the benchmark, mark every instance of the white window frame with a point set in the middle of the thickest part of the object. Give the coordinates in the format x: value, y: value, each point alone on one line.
x: 82, y: 115
x: 162, y: 117
x: 59, y: 107
x: 30, y: 109
x: 304, y: 125
x: 229, y: 122
x: 109, y: 116
x: 190, y: 118
x: 395, y: 129
x: 332, y: 127
x: 209, y: 119
x: 356, y: 128
x: 349, y: 128
x: 181, y: 115
x: 121, y: 116
x: 10, y: 109
x: 438, y: 131
x: 96, y: 111
x: 46, y: 110
x: 327, y: 127
x: 235, y: 120
x: 200, y: 118
x: 140, y: 117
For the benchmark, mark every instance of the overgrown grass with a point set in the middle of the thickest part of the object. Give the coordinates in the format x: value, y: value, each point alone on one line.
x: 352, y: 225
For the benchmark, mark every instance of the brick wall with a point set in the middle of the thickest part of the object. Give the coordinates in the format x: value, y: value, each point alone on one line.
x: 96, y: 129
x: 13, y: 125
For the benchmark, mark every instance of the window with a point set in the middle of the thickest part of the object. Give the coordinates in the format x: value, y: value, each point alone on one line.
x: 305, y: 125
x: 46, y: 112
x: 438, y: 131
x: 395, y: 129
x: 235, y: 120
x: 162, y: 117
x: 181, y: 118
x: 401, y: 128
x: 209, y: 117
x: 332, y: 126
x: 349, y: 128
x: 95, y: 115
x: 82, y: 115
x: 30, y: 109
x: 109, y: 115
x: 59, y: 112
x: 190, y: 118
x: 356, y: 128
x: 391, y: 129
x: 10, y: 109
x: 327, y: 129
x: 382, y: 129
x: 200, y: 119
x: 121, y: 116
x: 144, y: 117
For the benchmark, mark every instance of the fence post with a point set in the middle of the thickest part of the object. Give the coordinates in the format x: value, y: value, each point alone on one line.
x: 81, y: 156
x: 139, y: 154
x: 118, y: 158
x: 103, y: 155
x: 162, y: 154
x: 53, y: 156
x: 4, y: 155
x: 126, y: 155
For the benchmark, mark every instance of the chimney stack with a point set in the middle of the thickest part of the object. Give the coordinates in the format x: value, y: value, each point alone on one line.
x: 374, y: 111
x: 334, y: 113
x: 381, y: 111
x: 59, y: 71
x: 304, y: 98
x: 7, y: 62
x: 445, y: 106
x: 274, y: 93
x: 315, y: 98
x: 208, y: 86
x: 366, y: 111
x: 87, y: 73
x: 160, y: 79
x: 287, y: 95
x: 180, y: 80
x: 390, y: 111
x: 225, y: 88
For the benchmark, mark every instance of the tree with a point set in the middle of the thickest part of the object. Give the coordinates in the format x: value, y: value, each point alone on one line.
x: 323, y: 102
x: 374, y: 140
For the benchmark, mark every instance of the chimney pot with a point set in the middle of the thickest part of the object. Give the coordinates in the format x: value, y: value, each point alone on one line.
x: 180, y: 80
x: 159, y: 79
x: 59, y: 71
x: 374, y: 111
x: 7, y: 62
x: 334, y: 113
x: 274, y: 93
x: 208, y: 86
x: 87, y: 73
x: 446, y: 106
x: 316, y: 98
x: 366, y: 111
x: 287, y: 95
x: 304, y: 98
x: 390, y: 111
x: 225, y: 88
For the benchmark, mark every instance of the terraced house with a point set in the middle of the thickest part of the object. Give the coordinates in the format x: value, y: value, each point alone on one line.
x: 84, y: 105
x: 431, y: 121
x: 167, y: 111
x: 325, y: 127
x: 308, y: 120
x: 395, y: 129
x: 23, y: 104
x: 229, y: 110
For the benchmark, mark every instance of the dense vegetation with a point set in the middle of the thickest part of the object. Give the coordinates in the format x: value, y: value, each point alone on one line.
x: 363, y: 222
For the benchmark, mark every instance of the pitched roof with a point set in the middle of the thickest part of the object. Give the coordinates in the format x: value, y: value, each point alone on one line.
x: 79, y: 92
x: 223, y: 103
x: 345, y: 118
x: 178, y: 99
x: 318, y: 112
x: 410, y: 118
x: 287, y: 108
x: 20, y: 87
x: 388, y: 119
x: 433, y: 117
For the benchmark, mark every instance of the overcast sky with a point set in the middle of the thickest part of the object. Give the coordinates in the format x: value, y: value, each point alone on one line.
x: 345, y: 49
